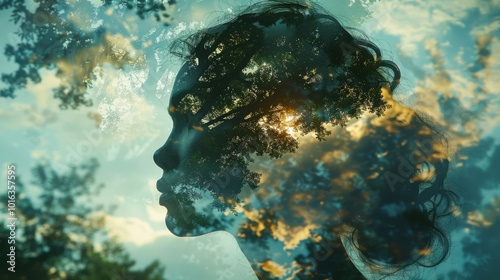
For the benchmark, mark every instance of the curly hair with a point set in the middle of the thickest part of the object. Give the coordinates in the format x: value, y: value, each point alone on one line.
x: 290, y: 56
x: 315, y: 60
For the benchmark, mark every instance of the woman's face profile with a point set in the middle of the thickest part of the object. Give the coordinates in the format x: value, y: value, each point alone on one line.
x: 260, y: 148
x: 205, y: 160
x: 192, y: 176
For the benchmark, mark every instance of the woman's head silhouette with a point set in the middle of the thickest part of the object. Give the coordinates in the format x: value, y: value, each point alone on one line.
x: 251, y: 90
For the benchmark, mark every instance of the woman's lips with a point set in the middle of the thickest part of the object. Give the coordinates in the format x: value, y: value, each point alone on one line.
x: 167, y: 193
x: 166, y: 185
x: 160, y: 186
x: 167, y: 181
x: 164, y: 199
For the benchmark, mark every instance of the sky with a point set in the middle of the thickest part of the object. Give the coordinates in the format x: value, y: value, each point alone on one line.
x: 438, y: 44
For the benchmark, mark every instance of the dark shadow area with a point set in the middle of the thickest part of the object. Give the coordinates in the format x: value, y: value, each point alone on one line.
x: 266, y: 145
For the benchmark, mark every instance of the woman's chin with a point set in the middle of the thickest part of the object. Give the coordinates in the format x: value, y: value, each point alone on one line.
x: 174, y: 228
x: 182, y: 229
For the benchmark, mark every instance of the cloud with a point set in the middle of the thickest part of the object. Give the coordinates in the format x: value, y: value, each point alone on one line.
x: 126, y: 118
x: 415, y: 21
x: 292, y: 236
x: 486, y: 29
x: 273, y: 268
x: 131, y: 229
x: 156, y: 214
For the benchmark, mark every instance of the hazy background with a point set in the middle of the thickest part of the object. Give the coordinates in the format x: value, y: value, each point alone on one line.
x: 443, y: 47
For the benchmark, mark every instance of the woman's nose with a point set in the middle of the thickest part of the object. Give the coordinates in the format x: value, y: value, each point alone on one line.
x: 167, y: 156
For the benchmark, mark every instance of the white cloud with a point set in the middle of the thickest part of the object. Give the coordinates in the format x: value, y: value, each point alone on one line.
x: 156, y: 213
x: 125, y: 117
x: 132, y: 230
x: 486, y: 29
x: 415, y: 21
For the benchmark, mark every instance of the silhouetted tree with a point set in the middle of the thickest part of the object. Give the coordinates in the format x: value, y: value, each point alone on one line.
x: 49, y: 39
x: 58, y: 233
x: 254, y: 86
x: 243, y: 80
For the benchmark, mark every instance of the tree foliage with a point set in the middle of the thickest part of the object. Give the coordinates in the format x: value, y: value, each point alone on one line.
x: 250, y: 89
x: 49, y: 38
x: 249, y: 84
x: 60, y: 233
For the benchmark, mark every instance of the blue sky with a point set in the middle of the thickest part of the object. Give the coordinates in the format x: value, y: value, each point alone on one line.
x: 129, y: 120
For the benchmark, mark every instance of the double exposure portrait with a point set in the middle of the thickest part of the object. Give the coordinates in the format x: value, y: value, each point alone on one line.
x: 269, y: 140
